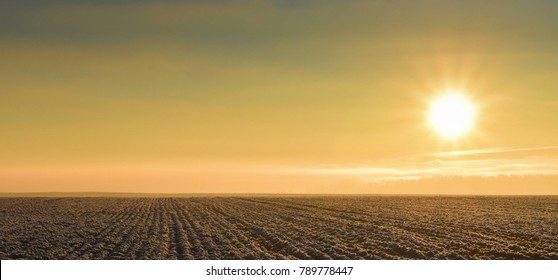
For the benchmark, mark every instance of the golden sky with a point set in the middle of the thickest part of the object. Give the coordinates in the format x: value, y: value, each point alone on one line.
x: 276, y: 96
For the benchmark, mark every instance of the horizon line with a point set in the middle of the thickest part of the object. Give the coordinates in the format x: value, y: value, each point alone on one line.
x: 171, y: 195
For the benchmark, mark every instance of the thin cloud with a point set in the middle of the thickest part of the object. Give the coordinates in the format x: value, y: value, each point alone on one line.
x: 497, y: 150
x: 447, y: 166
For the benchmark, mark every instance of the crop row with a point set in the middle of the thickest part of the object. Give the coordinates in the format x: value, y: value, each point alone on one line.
x: 328, y: 227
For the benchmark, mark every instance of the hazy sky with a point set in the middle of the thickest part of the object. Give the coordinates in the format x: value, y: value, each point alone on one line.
x: 276, y: 96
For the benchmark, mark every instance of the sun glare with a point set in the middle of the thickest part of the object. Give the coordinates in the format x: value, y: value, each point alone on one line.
x: 451, y: 115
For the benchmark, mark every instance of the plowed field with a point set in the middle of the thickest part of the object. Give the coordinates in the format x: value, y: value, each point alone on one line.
x: 329, y: 227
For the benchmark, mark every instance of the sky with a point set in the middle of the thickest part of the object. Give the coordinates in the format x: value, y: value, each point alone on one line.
x: 276, y: 96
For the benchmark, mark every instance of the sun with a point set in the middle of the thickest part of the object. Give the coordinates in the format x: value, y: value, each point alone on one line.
x: 452, y: 115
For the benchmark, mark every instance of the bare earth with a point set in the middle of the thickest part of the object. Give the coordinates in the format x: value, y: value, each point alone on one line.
x: 329, y: 227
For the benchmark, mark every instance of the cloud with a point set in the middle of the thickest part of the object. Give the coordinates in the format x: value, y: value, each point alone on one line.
x: 496, y: 176
x: 499, y: 150
x: 448, y: 165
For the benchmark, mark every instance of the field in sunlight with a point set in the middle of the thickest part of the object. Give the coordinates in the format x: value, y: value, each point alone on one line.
x: 326, y: 227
